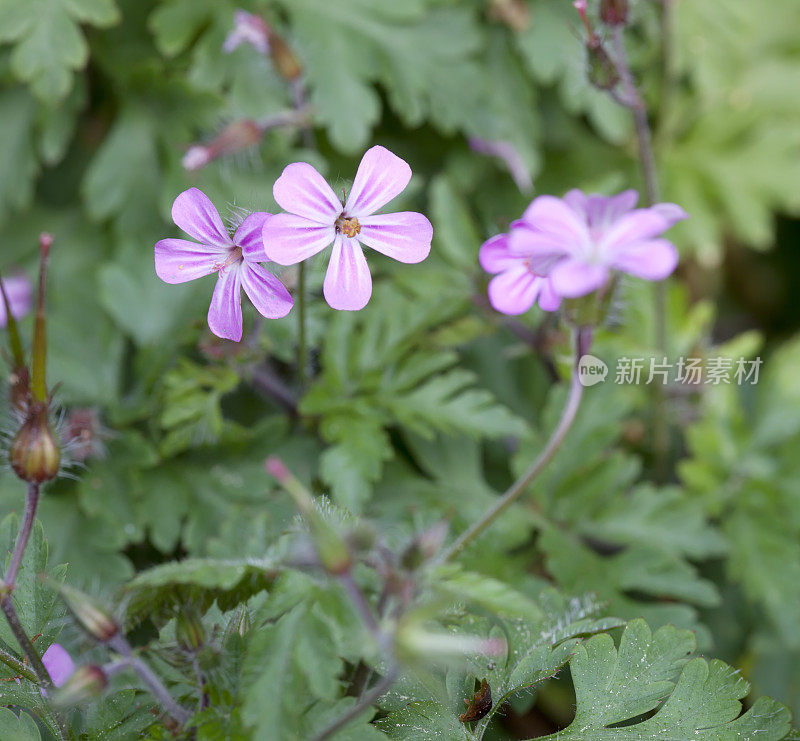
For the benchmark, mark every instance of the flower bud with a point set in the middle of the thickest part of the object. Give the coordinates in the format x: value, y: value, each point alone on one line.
x: 424, y: 546
x: 189, y: 630
x: 284, y: 59
x: 35, y: 453
x: 603, y: 72
x: 614, y: 12
x: 87, y: 682
x: 94, y: 619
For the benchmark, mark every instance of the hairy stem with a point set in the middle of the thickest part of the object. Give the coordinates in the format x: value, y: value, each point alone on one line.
x: 515, y: 491
x: 120, y: 644
x: 19, y: 668
x: 361, y: 706
x: 31, y: 503
x: 647, y: 161
x: 25, y: 643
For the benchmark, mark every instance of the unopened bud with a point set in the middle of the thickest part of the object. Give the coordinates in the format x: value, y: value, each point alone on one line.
x: 92, y: 616
x: 86, y: 683
x: 233, y: 138
x: 602, y: 70
x: 35, y: 454
x: 284, y: 58
x: 189, y: 630
x: 424, y: 547
x: 614, y: 12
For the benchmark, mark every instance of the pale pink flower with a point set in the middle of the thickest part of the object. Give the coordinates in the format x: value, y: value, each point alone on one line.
x: 247, y: 29
x: 316, y: 218
x: 20, y: 298
x: 515, y: 287
x: 579, y: 240
x: 59, y: 664
x: 235, y: 260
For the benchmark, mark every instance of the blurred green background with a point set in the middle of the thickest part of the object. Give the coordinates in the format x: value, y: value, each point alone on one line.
x: 100, y: 101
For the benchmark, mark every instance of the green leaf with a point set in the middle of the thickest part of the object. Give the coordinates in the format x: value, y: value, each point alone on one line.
x: 49, y: 45
x: 35, y: 602
x: 613, y: 688
x: 198, y: 581
x: 18, y: 728
x: 18, y: 163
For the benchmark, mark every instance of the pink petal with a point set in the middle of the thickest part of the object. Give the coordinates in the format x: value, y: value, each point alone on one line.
x: 514, y: 291
x: 266, y: 292
x: 603, y: 211
x: 249, y: 236
x: 653, y: 259
x: 381, y: 176
x: 301, y: 190
x: 59, y: 664
x: 572, y: 277
x: 672, y: 212
x: 554, y: 217
x: 549, y: 300
x: 576, y: 200
x: 289, y: 239
x: 348, y: 284
x: 644, y: 223
x: 225, y: 312
x: 20, y: 297
x: 542, y: 251
x: 404, y: 236
x: 495, y: 256
x: 178, y: 260
x: 193, y: 212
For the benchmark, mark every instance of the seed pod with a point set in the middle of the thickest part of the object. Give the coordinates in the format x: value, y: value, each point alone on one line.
x: 614, y: 12
x: 35, y: 454
x: 602, y: 70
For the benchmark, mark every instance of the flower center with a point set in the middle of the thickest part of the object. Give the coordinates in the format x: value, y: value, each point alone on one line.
x: 234, y: 256
x: 348, y: 226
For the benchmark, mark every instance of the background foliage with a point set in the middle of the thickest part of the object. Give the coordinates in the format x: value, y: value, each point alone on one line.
x: 423, y: 406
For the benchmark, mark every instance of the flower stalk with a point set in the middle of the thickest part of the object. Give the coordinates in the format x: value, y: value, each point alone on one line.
x: 31, y: 504
x: 583, y: 337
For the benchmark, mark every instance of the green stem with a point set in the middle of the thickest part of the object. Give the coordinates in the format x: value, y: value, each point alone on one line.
x: 39, y: 362
x: 582, y: 342
x: 13, y: 331
x: 17, y: 666
x: 301, y: 329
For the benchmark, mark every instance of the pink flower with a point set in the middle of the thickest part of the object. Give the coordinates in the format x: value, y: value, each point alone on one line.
x: 515, y: 287
x: 578, y: 240
x: 59, y: 664
x: 18, y: 290
x: 317, y: 218
x: 235, y: 259
x: 247, y: 29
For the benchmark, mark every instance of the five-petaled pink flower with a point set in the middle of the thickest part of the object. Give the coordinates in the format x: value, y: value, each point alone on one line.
x: 316, y: 218
x: 515, y: 287
x: 19, y: 293
x: 578, y: 240
x: 235, y: 259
